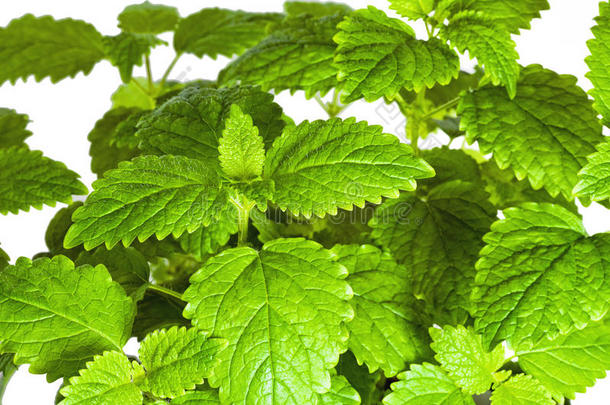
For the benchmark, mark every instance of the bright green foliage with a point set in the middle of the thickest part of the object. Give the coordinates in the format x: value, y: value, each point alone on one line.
x: 241, y: 148
x: 539, y: 257
x: 450, y: 164
x: 413, y: 9
x: 109, y: 379
x: 282, y: 310
x: 176, y: 360
x: 127, y: 50
x: 438, y: 239
x: 134, y: 95
x: 298, y: 8
x: 4, y: 259
x: 461, y: 354
x: 377, y: 56
x: 370, y: 387
x: 341, y: 393
x: 521, y: 390
x: 56, y: 232
x: 296, y: 55
x: 28, y: 179
x: 149, y: 195
x: 207, y: 397
x: 147, y: 18
x: 12, y: 128
x: 54, y: 316
x: 385, y: 332
x: 550, y: 116
x: 208, y: 239
x: 218, y: 31
x: 572, y: 362
x: 494, y: 49
x: 599, y: 62
x: 44, y: 47
x: 424, y: 385
x: 343, y: 163
x: 594, y: 178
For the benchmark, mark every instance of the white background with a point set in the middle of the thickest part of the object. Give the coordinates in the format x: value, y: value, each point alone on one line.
x: 63, y: 114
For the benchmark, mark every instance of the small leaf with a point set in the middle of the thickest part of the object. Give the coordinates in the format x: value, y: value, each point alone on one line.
x: 599, y: 62
x: 209, y: 239
x: 521, y: 390
x: 12, y: 128
x: 148, y: 18
x: 412, y: 9
x: 594, y: 178
x: 56, y: 232
x: 127, y: 50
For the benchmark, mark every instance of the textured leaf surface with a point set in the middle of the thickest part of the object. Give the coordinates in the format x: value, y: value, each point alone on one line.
x: 377, y: 56
x: 55, y: 316
x: 127, y: 50
x: 599, y: 62
x: 207, y: 397
x: 510, y: 15
x: 424, y: 385
x: 12, y: 128
x: 341, y: 164
x: 545, y: 133
x: 176, y: 360
x: 314, y: 8
x: 218, y: 31
x: 149, y: 195
x: 56, y: 232
x: 594, y: 178
x: 438, y: 239
x: 296, y: 55
x: 413, y: 9
x: 4, y: 259
x: 28, y: 179
x: 109, y: 379
x: 282, y: 310
x: 492, y: 46
x: 521, y: 390
x: 341, y: 393
x: 385, y: 332
x: 539, y: 275
x: 147, y: 18
x: 45, y: 47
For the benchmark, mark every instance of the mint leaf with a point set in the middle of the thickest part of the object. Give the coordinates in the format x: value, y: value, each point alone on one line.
x: 550, y: 115
x: 438, y: 239
x: 56, y: 232
x: 135, y: 94
x: 450, y: 164
x: 156, y: 312
x: 289, y: 330
x: 370, y: 387
x: 493, y: 47
x: 385, y: 332
x: 521, y: 390
x: 55, y: 316
x: 4, y: 259
x: 218, y: 31
x: 510, y: 15
x: 149, y: 195
x: 209, y: 239
x: 108, y: 379
x: 342, y: 163
x: 28, y: 179
x: 341, y: 393
x: 377, y: 56
x: 207, y: 397
x: 12, y: 128
x: 148, y: 18
x: 426, y: 384
x: 599, y: 62
x: 314, y: 8
x: 45, y: 47
x: 241, y: 148
x: 176, y: 360
x: 540, y: 257
x: 594, y: 178
x: 461, y: 354
x: 127, y: 50
x: 296, y: 55
x: 412, y: 9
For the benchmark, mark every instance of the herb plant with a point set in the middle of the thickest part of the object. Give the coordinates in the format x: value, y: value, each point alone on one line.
x: 263, y: 261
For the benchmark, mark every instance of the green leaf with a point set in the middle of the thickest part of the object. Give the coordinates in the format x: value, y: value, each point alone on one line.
x: 157, y: 312
x: 521, y: 390
x: 377, y: 56
x: 491, y: 45
x: 450, y: 164
x: 341, y: 393
x: 45, y: 47
x: 191, y: 123
x: 7, y: 369
x: 572, y: 362
x: 412, y: 9
x: 314, y: 8
x: 241, y: 148
x: 461, y: 354
x: 550, y: 117
x: 28, y: 179
x: 56, y: 232
x: 127, y: 50
x: 594, y: 178
x: 55, y: 316
x: 296, y: 55
x: 426, y: 384
x: 438, y: 239
x: 109, y: 379
x: 207, y: 397
x: 539, y: 257
x: 385, y: 332
x: 147, y: 18
x: 176, y: 360
x: 282, y: 310
x: 509, y: 15
x: 599, y: 62
x: 12, y: 128
x: 218, y: 31
x: 320, y: 166
x: 4, y: 259
x: 149, y: 195
x: 135, y: 94
x: 370, y: 387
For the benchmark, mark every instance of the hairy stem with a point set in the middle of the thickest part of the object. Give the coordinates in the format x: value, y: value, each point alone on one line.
x: 165, y: 291
x: 169, y: 69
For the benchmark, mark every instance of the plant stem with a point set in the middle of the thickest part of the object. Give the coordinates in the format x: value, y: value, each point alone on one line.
x: 149, y: 75
x: 244, y: 206
x: 166, y: 291
x: 169, y: 69
x: 447, y: 105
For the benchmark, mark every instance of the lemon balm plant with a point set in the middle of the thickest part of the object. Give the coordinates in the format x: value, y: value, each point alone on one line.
x: 263, y: 261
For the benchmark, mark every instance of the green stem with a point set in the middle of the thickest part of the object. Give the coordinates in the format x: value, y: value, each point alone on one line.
x: 149, y: 75
x: 449, y: 104
x: 165, y: 291
x: 169, y: 69
x: 244, y: 206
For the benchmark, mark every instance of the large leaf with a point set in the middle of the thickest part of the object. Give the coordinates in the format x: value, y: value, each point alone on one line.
x: 550, y: 116
x: 320, y: 166
x: 12, y: 128
x: 282, y: 310
x: 45, y: 47
x: 412, y: 9
x: 594, y: 178
x: 127, y: 50
x: 377, y: 56
x: 521, y: 390
x: 55, y: 316
x: 147, y: 18
x: 599, y: 62
x: 149, y: 195
x: 539, y: 257
x: 28, y: 179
